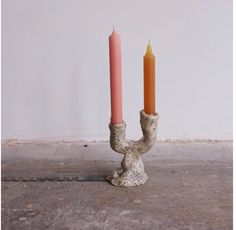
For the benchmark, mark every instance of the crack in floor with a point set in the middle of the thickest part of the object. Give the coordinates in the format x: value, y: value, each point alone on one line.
x: 53, y: 179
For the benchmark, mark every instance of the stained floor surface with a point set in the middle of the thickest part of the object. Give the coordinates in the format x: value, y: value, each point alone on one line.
x: 61, y: 185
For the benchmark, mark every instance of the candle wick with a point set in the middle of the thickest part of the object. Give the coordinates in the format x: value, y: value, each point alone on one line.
x: 113, y: 27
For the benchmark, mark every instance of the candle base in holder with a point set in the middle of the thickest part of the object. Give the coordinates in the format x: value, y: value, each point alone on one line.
x: 132, y: 171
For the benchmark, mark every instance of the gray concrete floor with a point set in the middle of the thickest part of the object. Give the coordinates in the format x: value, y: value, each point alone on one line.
x: 60, y: 185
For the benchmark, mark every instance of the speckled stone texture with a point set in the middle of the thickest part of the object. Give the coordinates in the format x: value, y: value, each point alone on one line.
x: 132, y: 171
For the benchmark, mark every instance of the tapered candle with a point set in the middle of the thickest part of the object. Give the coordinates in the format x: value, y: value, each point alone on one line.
x: 149, y: 81
x: 115, y: 78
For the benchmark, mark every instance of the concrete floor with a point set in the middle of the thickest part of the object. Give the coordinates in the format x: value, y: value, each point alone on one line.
x: 61, y: 185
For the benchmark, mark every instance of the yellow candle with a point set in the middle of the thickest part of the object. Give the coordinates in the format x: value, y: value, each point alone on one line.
x: 149, y: 81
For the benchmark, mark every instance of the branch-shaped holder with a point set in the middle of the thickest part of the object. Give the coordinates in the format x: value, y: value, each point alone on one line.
x: 132, y: 171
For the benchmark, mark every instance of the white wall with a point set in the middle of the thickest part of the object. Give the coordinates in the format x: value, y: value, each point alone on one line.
x: 55, y: 72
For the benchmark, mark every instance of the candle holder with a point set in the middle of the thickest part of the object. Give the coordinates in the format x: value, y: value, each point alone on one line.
x: 132, y: 171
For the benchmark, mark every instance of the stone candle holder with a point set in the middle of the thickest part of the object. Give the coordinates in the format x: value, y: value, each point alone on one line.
x: 132, y: 171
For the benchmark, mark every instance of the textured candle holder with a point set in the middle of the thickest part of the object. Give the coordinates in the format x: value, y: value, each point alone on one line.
x: 132, y: 171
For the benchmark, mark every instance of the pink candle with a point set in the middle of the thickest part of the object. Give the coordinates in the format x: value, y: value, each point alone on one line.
x: 115, y: 78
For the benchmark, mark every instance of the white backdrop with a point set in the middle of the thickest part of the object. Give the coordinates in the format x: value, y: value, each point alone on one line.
x: 55, y: 70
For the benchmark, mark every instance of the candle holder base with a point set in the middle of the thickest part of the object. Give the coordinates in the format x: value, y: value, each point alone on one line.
x: 132, y: 171
x: 133, y: 175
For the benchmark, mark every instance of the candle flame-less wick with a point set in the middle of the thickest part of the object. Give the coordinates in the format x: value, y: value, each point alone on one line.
x: 149, y: 48
x: 113, y: 27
